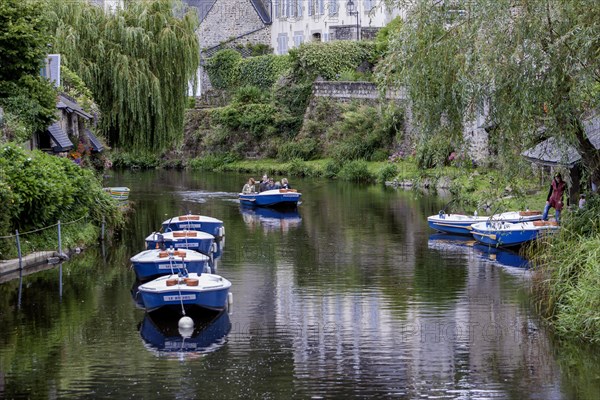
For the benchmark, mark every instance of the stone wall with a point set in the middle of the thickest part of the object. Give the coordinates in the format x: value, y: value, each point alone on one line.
x: 353, y: 90
x: 475, y: 135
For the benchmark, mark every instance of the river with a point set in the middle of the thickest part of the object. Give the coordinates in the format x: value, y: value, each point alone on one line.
x: 352, y: 296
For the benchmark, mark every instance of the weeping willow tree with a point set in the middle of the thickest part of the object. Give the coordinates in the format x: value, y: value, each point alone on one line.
x: 531, y: 63
x: 137, y: 61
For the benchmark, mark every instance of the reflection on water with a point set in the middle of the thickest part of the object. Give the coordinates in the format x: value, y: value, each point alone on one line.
x: 465, y: 244
x: 270, y: 219
x: 161, y: 333
x: 356, y: 300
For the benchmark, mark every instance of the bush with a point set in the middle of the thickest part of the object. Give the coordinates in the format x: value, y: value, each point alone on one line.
x: 332, y: 168
x: 223, y: 69
x: 263, y: 71
x: 355, y: 171
x: 43, y: 189
x: 250, y: 94
x: 387, y: 173
x: 135, y: 160
x: 329, y: 59
x: 304, y: 149
x: 212, y: 162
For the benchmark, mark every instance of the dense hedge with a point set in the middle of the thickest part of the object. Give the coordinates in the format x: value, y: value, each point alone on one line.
x: 329, y: 59
x: 37, y: 190
x: 228, y: 70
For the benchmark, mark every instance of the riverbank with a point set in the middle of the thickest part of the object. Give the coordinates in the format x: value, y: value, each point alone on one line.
x: 470, y: 189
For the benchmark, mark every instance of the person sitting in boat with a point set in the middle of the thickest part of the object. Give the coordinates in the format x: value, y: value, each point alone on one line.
x: 270, y: 185
x: 581, y: 201
x: 555, y: 197
x: 249, y: 187
x: 285, y: 184
x: 262, y: 185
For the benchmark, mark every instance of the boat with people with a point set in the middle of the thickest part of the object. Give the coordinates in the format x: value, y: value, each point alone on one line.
x: 152, y: 263
x: 209, y: 291
x: 195, y: 240
x: 508, y: 234
x: 192, y: 222
x: 461, y: 223
x: 271, y: 198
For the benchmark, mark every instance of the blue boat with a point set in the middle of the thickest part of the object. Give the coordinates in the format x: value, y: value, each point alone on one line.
x: 161, y: 333
x: 152, y: 263
x: 199, y: 223
x: 507, y: 234
x: 206, y: 291
x: 460, y: 224
x: 200, y: 241
x: 271, y: 198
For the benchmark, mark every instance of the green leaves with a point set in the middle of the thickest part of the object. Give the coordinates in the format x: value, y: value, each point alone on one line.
x: 137, y: 62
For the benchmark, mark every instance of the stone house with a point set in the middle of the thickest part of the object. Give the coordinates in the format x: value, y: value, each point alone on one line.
x: 72, y: 125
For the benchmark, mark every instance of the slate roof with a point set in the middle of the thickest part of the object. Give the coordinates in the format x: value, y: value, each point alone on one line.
x: 71, y: 106
x: 60, y: 138
x: 96, y: 145
x: 203, y: 6
x: 555, y: 151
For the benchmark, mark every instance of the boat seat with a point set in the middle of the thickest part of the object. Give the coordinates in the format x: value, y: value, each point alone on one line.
x: 545, y: 223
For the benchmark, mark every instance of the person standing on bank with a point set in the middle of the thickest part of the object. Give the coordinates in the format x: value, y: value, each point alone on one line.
x: 555, y: 197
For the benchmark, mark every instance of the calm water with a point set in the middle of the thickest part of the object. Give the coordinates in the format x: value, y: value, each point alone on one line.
x: 351, y: 297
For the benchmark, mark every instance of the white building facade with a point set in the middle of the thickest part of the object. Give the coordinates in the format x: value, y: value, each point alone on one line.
x: 298, y: 21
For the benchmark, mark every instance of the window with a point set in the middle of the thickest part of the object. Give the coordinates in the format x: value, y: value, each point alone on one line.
x: 298, y: 38
x: 326, y: 37
x: 311, y: 7
x: 282, y: 43
x: 333, y: 7
x: 369, y: 5
x: 321, y: 7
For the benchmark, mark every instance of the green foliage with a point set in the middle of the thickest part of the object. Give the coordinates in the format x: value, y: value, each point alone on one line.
x: 385, y: 34
x: 24, y: 38
x: 329, y: 59
x: 147, y: 160
x: 75, y: 87
x: 568, y: 274
x: 387, y: 173
x: 303, y: 149
x: 212, y: 162
x: 355, y: 171
x: 362, y: 131
x: 223, y: 69
x: 24, y: 94
x: 332, y: 168
x: 434, y: 151
x: 40, y: 189
x: 137, y: 61
x: 249, y: 95
x: 262, y: 71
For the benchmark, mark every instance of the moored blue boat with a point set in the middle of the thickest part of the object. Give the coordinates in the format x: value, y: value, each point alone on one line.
x: 271, y: 198
x: 160, y: 331
x: 461, y: 224
x: 507, y: 234
x: 199, y: 223
x: 206, y: 291
x: 152, y: 263
x: 200, y: 241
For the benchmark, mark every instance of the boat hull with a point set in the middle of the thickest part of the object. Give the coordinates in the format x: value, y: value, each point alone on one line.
x: 271, y: 198
x: 211, y: 292
x: 199, y: 223
x: 506, y: 234
x: 461, y: 224
x: 152, y: 263
x: 199, y: 241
